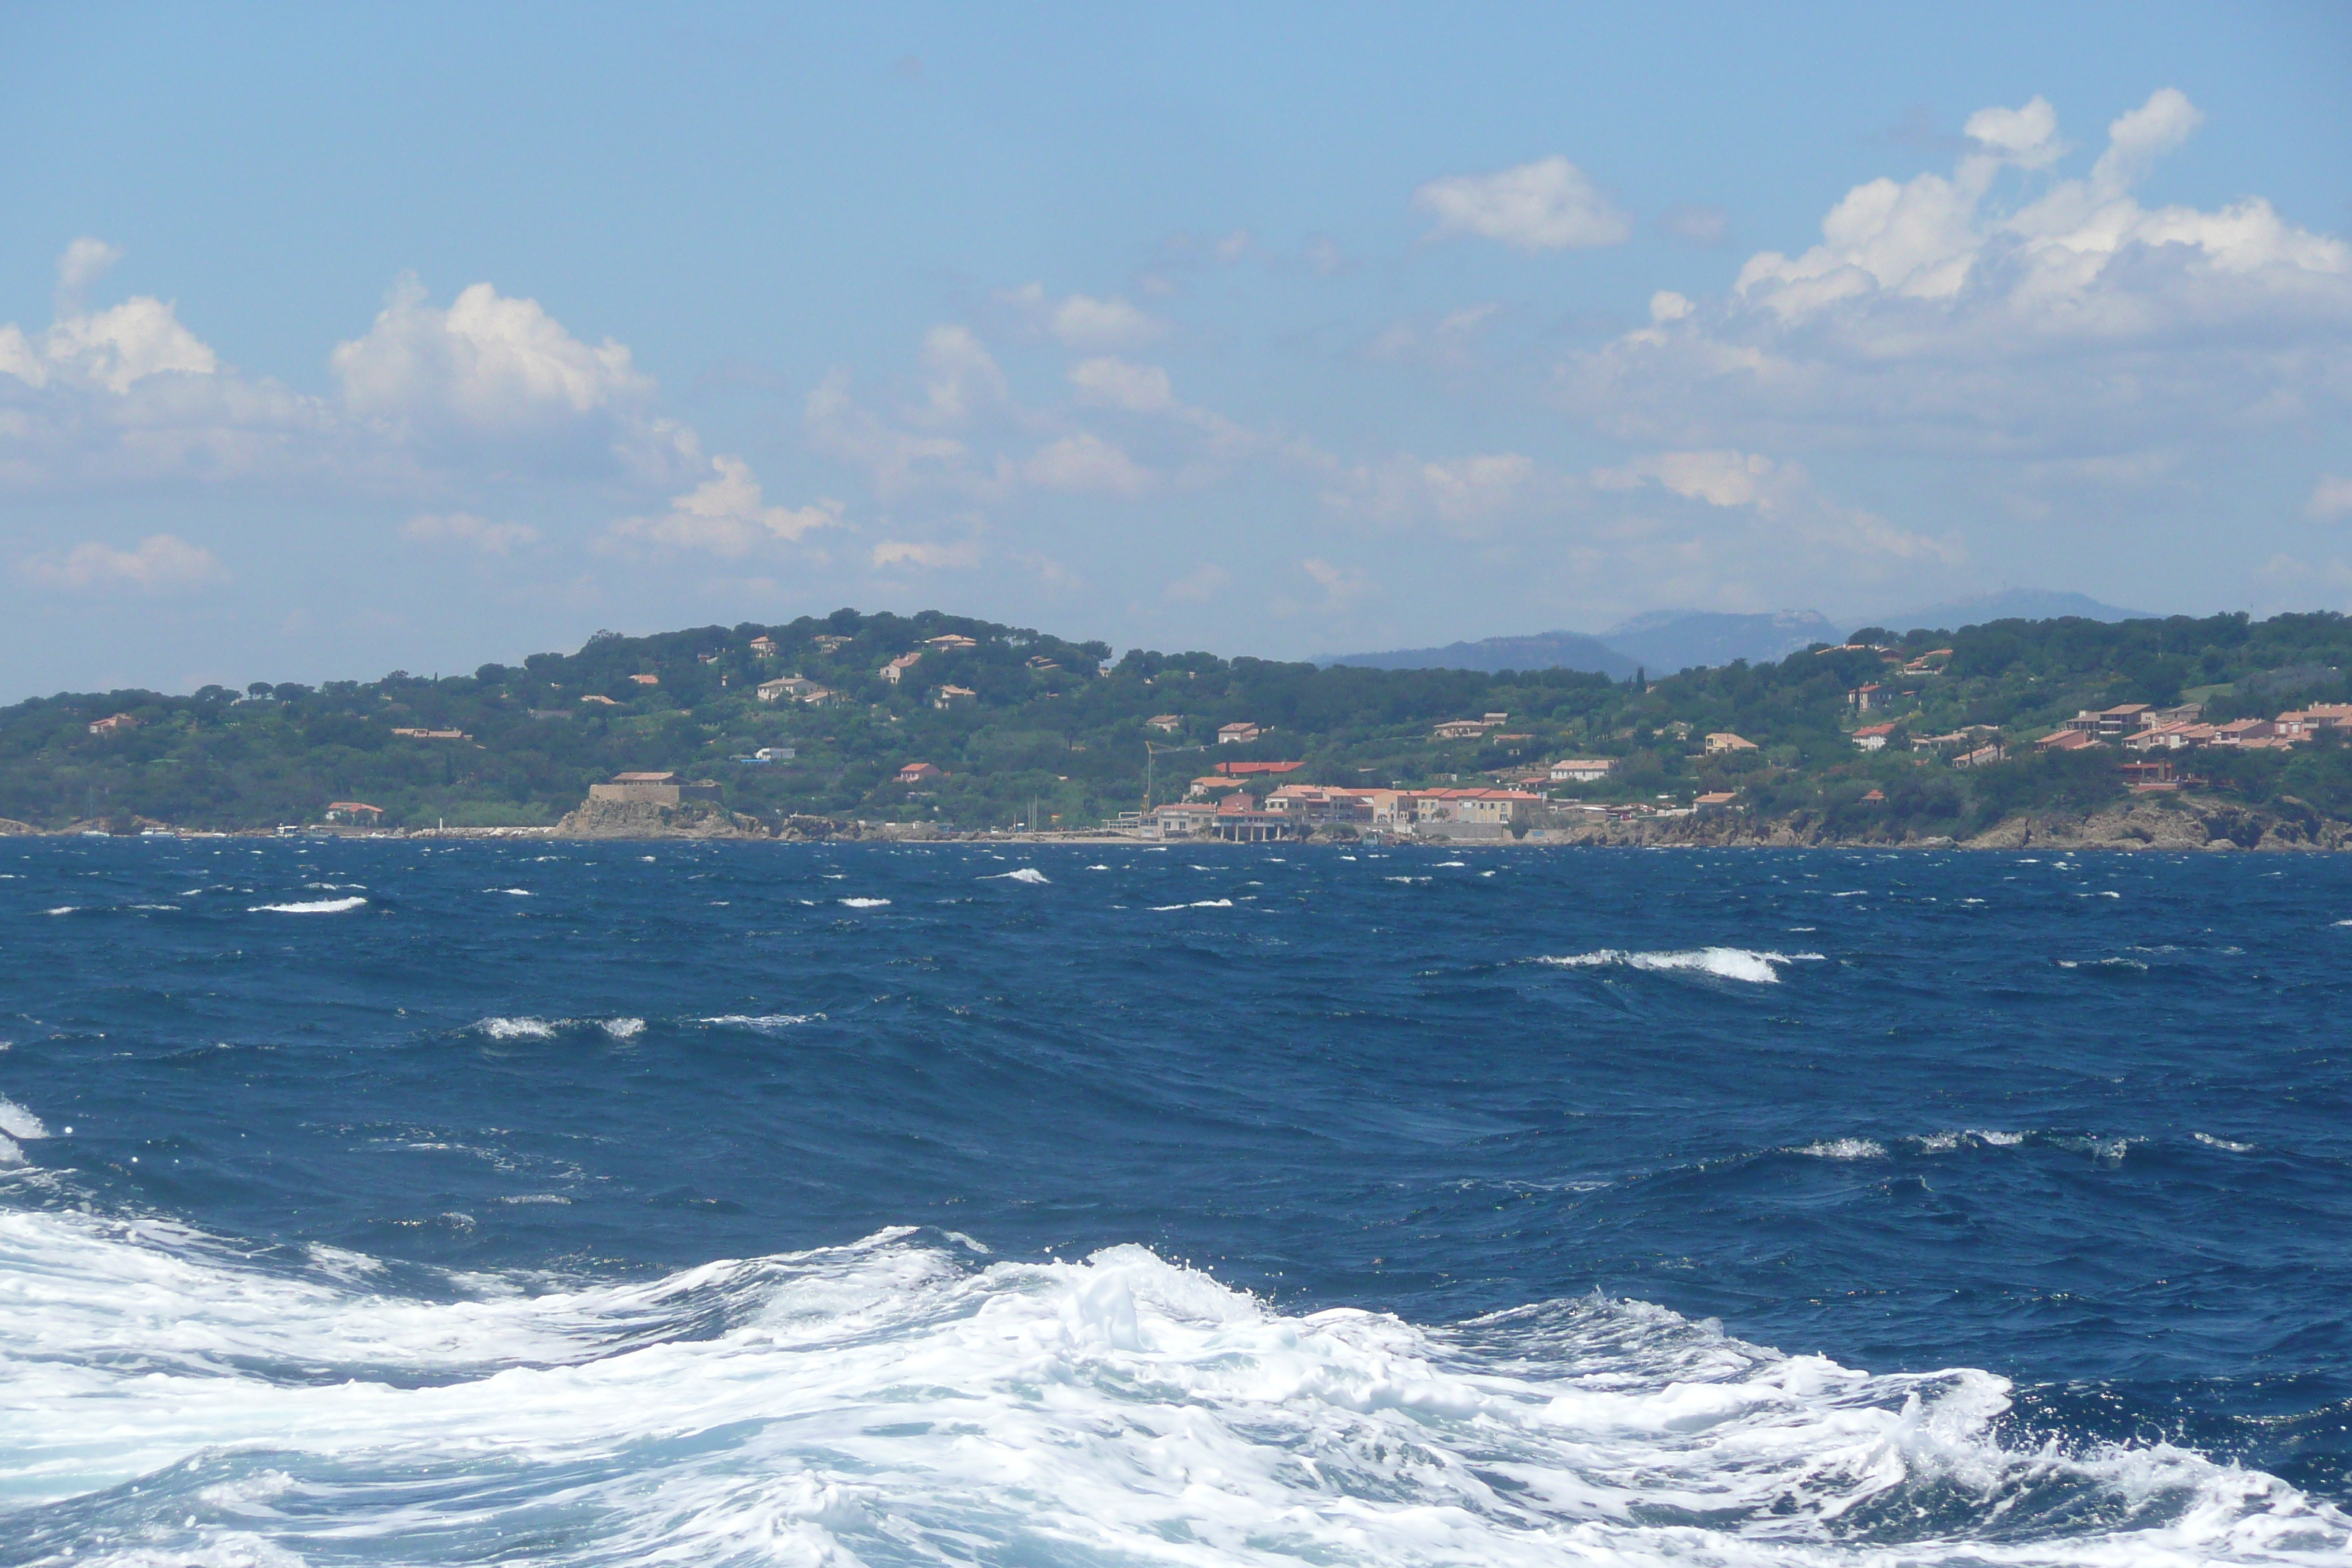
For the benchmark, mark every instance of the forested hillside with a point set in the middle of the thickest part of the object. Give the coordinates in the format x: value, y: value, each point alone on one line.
x: 1060, y: 723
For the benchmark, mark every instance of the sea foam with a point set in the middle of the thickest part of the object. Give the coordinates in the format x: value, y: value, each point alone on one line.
x: 908, y: 1402
x: 1724, y: 963
x: 308, y: 906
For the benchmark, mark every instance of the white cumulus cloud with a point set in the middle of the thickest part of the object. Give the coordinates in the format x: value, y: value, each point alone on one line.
x: 1082, y: 321
x: 1084, y: 461
x: 1121, y: 384
x: 1998, y: 309
x: 2331, y: 497
x: 159, y: 563
x: 728, y: 515
x: 1548, y: 205
x: 962, y: 554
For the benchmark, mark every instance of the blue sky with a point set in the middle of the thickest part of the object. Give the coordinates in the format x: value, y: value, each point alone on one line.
x: 336, y: 339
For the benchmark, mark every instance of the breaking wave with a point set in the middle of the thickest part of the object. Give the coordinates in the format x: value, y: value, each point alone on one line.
x: 1724, y: 963
x: 906, y: 1399
x: 308, y: 906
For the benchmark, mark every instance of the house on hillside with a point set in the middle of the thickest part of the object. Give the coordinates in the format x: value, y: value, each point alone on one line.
x: 1237, y: 734
x: 2317, y: 717
x: 920, y: 773
x: 764, y: 646
x: 1723, y: 741
x: 792, y: 686
x: 647, y: 679
x: 1866, y: 697
x: 600, y: 700
x: 829, y: 642
x: 896, y: 670
x: 113, y: 723
x: 1711, y: 802
x: 1581, y: 770
x: 950, y: 642
x: 948, y: 697
x: 1464, y: 728
x: 1872, y: 736
x: 2068, y: 740
x: 2109, y: 723
x: 357, y: 812
x: 1166, y: 723
x: 434, y: 734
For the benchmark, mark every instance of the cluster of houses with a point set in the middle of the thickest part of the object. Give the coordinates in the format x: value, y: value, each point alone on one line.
x: 801, y: 688
x: 2139, y: 727
x: 1218, y: 807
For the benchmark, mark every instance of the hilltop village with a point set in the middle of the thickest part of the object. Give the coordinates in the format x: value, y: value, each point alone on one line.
x: 934, y: 725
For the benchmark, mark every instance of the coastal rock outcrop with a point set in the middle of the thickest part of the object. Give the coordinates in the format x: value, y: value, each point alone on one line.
x: 649, y: 819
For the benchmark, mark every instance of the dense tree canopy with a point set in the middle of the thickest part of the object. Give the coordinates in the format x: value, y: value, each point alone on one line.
x: 1061, y: 724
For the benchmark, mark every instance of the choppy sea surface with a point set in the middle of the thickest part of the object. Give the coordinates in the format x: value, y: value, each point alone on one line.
x: 393, y: 1202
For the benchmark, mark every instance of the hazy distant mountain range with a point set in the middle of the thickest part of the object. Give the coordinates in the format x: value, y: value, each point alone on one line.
x: 1663, y: 641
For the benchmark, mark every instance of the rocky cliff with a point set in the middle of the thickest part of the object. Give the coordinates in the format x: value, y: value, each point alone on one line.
x: 2179, y: 824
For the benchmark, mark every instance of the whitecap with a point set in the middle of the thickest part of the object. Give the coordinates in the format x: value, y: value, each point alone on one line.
x: 517, y: 892
x: 622, y: 1028
x: 764, y: 1023
x: 308, y: 906
x: 18, y: 1122
x: 517, y: 1028
x: 1725, y: 962
x: 1442, y: 863
x: 862, y: 903
x: 1845, y: 1148
x: 2205, y: 1138
x: 1029, y: 874
x: 63, y: 910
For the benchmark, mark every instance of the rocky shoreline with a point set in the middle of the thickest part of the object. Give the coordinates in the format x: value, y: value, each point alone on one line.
x: 2180, y: 824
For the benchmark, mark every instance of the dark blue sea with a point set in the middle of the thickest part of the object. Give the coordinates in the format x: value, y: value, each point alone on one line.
x: 490, y: 1202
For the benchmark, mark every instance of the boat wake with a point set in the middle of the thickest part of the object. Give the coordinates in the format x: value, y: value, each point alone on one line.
x: 910, y: 1399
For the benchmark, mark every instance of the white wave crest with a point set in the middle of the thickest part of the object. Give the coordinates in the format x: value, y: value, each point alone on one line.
x: 1724, y: 963
x: 904, y: 1402
x: 517, y: 1028
x: 1029, y: 874
x: 308, y: 906
x: 1845, y: 1148
x: 764, y: 1023
x: 18, y: 1122
x: 622, y: 1028
x: 863, y: 904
